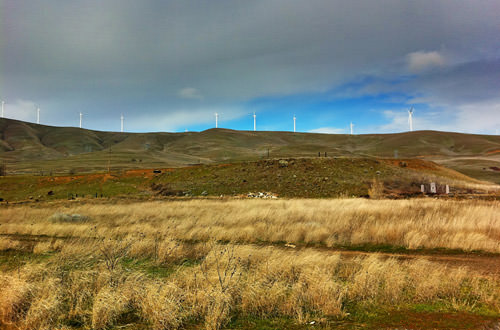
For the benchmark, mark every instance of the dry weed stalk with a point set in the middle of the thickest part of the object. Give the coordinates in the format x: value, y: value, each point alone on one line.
x: 223, y: 264
x: 113, y: 251
x: 226, y: 264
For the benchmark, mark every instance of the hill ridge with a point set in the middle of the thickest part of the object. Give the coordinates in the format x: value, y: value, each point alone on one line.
x: 29, y: 147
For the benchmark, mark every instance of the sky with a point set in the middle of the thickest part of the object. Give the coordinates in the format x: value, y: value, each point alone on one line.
x: 170, y: 65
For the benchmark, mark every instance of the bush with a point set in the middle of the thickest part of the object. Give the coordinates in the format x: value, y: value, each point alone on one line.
x: 376, y: 190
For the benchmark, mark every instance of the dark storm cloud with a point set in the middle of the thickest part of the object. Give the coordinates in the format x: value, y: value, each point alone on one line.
x: 170, y: 56
x: 460, y: 83
x: 463, y: 83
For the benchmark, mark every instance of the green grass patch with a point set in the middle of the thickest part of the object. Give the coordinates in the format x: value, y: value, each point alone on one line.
x: 375, y: 319
x: 152, y: 268
x: 15, y: 259
x: 245, y: 323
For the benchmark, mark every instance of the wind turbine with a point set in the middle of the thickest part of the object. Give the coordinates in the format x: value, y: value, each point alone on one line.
x: 216, y: 120
x: 410, y: 119
x: 3, y: 103
x: 81, y: 117
x: 294, y: 123
x: 352, y: 128
x: 38, y: 115
x: 121, y: 118
x: 254, y: 122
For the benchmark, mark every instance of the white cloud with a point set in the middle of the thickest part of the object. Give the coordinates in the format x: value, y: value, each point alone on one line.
x: 477, y: 118
x: 421, y: 61
x: 398, y: 121
x: 24, y: 110
x: 443, y: 120
x: 180, y: 119
x: 329, y: 130
x: 190, y: 93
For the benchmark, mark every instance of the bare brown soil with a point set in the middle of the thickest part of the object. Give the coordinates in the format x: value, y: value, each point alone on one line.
x: 428, y: 320
x: 484, y: 264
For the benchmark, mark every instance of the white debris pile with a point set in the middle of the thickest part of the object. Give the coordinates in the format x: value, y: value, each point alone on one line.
x: 261, y: 195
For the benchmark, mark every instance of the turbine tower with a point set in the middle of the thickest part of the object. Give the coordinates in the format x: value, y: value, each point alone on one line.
x: 121, y: 118
x: 216, y: 120
x: 3, y: 103
x: 254, y: 122
x: 352, y: 128
x: 294, y: 124
x: 410, y: 119
x: 81, y: 117
x: 38, y: 115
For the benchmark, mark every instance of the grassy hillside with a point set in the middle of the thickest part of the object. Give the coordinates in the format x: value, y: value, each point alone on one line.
x: 32, y: 148
x: 290, y: 177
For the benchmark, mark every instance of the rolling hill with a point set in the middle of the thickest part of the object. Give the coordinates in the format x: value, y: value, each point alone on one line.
x: 28, y: 148
x: 309, y: 177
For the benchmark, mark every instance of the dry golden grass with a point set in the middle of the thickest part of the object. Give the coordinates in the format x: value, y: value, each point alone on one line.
x: 230, y: 280
x: 9, y: 244
x: 91, y: 273
x: 417, y: 223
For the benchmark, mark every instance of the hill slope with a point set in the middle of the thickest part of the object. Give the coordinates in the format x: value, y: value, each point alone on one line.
x: 290, y: 177
x: 31, y: 148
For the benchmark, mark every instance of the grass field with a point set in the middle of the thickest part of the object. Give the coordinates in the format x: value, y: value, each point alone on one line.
x: 246, y: 264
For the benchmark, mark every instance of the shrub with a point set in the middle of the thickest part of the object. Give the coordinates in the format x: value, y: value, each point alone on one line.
x: 376, y: 190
